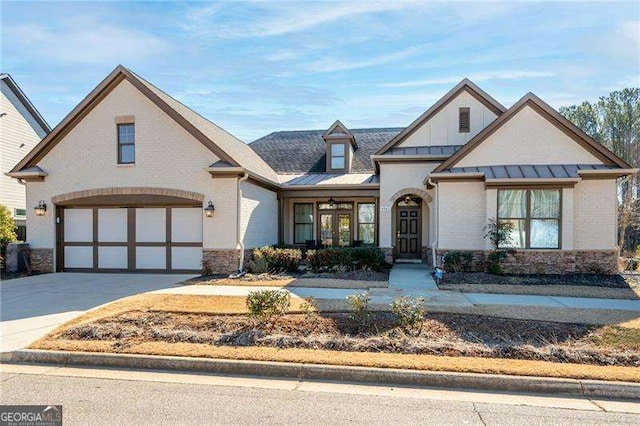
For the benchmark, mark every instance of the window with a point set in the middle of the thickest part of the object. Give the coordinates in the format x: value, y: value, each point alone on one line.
x: 366, y: 223
x: 126, y: 144
x: 464, y: 120
x: 535, y: 215
x: 303, y: 223
x: 338, y: 156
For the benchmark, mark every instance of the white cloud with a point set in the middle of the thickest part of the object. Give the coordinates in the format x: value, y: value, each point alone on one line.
x: 496, y: 75
x: 88, y: 42
x: 280, y: 19
x: 332, y: 64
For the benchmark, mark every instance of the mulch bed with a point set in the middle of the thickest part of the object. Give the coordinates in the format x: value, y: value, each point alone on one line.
x: 360, y: 275
x: 441, y: 334
x: 611, y: 281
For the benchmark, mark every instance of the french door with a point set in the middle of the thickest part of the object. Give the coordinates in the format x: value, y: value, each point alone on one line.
x: 336, y: 228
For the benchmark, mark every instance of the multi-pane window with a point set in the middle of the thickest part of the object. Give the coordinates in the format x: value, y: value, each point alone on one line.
x: 534, y: 214
x: 366, y: 223
x: 303, y: 223
x: 126, y: 144
x: 464, y: 120
x: 338, y: 156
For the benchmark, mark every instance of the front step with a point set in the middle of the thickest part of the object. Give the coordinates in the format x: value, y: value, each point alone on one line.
x: 417, y: 261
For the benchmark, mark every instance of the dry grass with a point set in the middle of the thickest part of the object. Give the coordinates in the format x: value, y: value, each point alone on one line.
x: 547, y: 290
x: 381, y: 360
x: 189, y: 304
x: 285, y: 281
x: 296, y: 282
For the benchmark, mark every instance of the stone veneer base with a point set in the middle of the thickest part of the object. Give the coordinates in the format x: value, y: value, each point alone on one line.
x: 548, y: 261
x: 224, y: 261
x: 41, y: 260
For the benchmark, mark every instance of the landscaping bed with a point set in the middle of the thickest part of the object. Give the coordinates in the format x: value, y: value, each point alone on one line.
x: 592, y: 280
x: 594, y: 286
x: 360, y: 279
x: 442, y: 334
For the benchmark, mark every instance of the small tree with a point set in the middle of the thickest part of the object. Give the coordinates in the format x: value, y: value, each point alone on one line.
x: 7, y: 233
x: 499, y: 233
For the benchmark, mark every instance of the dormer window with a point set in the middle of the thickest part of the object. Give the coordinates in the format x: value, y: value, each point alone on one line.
x: 338, y: 156
x: 341, y: 144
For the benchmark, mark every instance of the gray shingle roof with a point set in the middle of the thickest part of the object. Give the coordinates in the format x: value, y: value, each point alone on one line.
x: 530, y: 171
x: 444, y: 150
x: 303, y: 151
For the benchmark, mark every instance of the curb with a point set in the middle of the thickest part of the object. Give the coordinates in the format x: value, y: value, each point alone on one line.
x: 387, y: 376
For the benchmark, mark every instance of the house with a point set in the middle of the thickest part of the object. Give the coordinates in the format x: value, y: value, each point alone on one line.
x: 21, y: 128
x: 133, y: 180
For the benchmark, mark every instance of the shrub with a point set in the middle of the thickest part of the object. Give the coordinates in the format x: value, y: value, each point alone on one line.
x: 499, y: 233
x: 457, y: 261
x: 368, y: 258
x: 276, y: 259
x: 344, y: 258
x: 409, y: 312
x: 258, y: 263
x: 361, y: 317
x: 311, y: 312
x: 632, y: 264
x: 267, y: 305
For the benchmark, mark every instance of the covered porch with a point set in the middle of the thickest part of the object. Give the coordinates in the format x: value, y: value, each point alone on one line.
x: 329, y: 218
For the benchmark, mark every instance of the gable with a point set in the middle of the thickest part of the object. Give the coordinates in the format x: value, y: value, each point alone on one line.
x: 534, y: 133
x: 465, y: 86
x: 88, y: 152
x: 442, y: 128
x: 224, y: 145
x: 14, y: 99
x: 528, y: 138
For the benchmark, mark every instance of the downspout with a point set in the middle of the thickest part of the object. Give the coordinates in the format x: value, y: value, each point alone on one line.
x: 240, y: 244
x: 435, y: 242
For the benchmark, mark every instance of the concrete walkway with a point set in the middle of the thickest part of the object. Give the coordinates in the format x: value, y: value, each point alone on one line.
x: 416, y: 280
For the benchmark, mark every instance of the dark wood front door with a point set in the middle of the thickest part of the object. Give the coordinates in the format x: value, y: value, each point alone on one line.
x: 408, y: 232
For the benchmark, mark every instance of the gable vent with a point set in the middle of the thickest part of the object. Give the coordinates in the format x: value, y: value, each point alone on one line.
x: 465, y: 120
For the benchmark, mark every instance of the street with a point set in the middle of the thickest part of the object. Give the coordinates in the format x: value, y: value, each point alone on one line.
x: 104, y: 396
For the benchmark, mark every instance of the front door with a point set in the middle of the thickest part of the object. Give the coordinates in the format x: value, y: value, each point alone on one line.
x: 335, y: 229
x: 408, y: 232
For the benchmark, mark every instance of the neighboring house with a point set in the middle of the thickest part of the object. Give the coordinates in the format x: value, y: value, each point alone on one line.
x: 128, y: 177
x: 21, y: 128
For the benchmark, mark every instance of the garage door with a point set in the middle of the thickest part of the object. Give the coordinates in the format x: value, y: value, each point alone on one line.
x: 153, y: 239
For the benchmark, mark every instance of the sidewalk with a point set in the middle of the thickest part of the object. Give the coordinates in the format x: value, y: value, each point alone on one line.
x: 416, y: 280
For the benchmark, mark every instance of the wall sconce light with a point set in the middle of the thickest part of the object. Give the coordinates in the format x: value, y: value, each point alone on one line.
x: 407, y: 199
x: 209, y: 210
x: 40, y: 209
x: 332, y: 202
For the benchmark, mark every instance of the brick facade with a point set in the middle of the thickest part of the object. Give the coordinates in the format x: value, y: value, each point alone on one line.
x: 41, y: 260
x: 549, y: 261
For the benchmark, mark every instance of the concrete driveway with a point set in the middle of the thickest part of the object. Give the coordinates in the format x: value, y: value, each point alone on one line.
x: 33, y: 306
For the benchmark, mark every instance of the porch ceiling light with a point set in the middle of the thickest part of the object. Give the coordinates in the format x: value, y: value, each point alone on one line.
x: 332, y: 202
x: 40, y: 209
x: 209, y: 210
x: 407, y: 199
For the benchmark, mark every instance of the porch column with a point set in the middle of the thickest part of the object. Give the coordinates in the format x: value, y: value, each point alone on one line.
x: 280, y: 220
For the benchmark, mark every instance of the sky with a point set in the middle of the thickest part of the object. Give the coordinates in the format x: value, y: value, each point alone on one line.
x: 258, y: 67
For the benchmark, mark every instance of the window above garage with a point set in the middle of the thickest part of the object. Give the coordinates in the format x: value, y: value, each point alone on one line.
x: 126, y: 143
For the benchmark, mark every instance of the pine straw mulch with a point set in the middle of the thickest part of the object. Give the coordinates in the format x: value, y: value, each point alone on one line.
x: 359, y: 279
x: 452, y: 335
